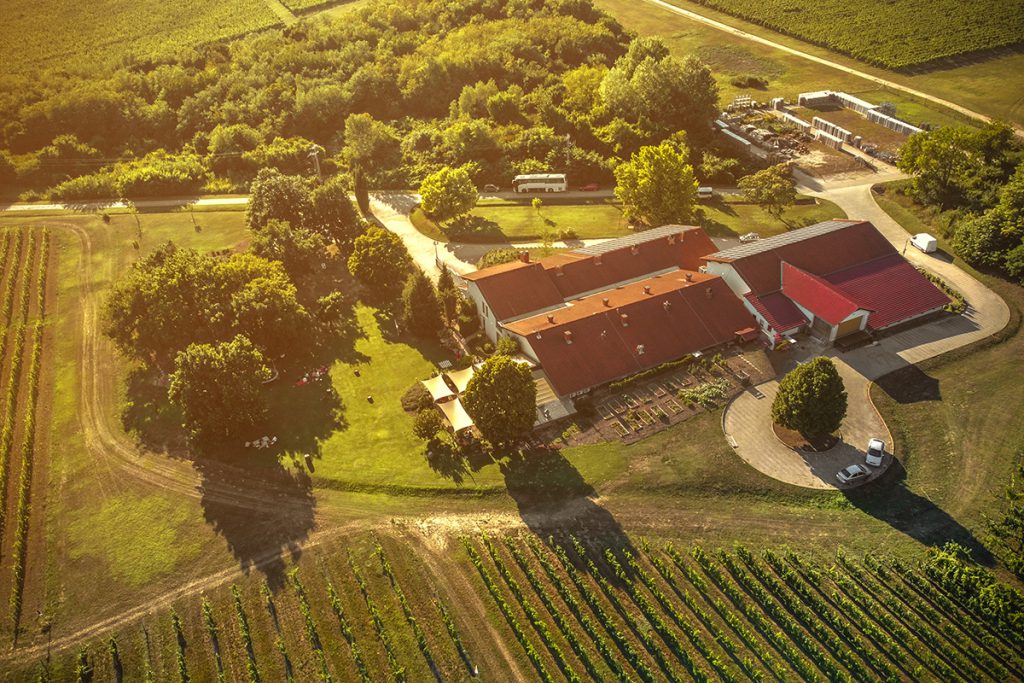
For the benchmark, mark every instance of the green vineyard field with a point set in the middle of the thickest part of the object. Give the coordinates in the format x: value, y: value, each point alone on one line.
x: 886, y: 33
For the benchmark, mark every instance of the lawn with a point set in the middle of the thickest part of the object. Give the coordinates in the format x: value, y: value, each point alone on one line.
x: 61, y: 34
x: 991, y: 86
x: 722, y: 219
x: 495, y: 221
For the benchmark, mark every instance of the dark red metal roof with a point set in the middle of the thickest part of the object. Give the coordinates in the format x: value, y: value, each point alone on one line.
x: 817, y: 295
x: 891, y: 288
x: 781, y: 313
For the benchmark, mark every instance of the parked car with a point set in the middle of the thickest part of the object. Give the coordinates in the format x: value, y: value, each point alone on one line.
x: 875, y: 452
x: 853, y: 474
x: 705, y: 192
x: 750, y: 237
x: 489, y: 187
x: 590, y: 187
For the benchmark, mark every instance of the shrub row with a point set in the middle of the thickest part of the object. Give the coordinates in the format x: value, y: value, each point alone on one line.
x: 644, y: 634
x: 397, y: 670
x: 763, y: 625
x: 346, y: 630
x: 243, y: 627
x: 506, y: 610
x: 403, y: 602
x: 590, y: 597
x: 312, y: 635
x: 28, y: 439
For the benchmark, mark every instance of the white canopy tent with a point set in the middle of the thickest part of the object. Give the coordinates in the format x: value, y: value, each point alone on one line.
x: 456, y: 415
x: 439, y: 390
x: 460, y: 378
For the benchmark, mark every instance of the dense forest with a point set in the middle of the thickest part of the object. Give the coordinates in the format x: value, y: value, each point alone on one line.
x: 393, y: 91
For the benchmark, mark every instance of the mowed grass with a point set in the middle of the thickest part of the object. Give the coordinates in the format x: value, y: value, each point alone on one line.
x: 64, y: 34
x: 890, y: 34
x: 722, y: 219
x: 378, y: 451
x: 495, y: 221
x: 993, y: 86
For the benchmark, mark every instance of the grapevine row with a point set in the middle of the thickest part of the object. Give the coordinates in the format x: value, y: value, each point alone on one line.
x: 211, y: 631
x: 243, y: 627
x: 11, y: 402
x: 312, y: 635
x: 179, y: 637
x: 410, y: 618
x: 397, y: 670
x: 28, y: 439
x: 346, y: 630
x: 907, y: 620
x: 588, y: 624
x: 643, y: 634
x: 506, y: 610
x: 563, y: 624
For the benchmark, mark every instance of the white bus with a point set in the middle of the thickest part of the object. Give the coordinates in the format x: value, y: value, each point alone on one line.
x: 540, y: 182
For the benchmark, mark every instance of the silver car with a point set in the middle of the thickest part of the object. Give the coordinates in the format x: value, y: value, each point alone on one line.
x: 853, y: 474
x: 875, y: 453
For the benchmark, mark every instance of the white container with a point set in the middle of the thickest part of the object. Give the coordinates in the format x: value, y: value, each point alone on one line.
x: 925, y: 242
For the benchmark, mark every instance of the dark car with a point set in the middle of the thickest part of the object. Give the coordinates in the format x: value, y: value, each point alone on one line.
x: 490, y: 188
x: 590, y: 187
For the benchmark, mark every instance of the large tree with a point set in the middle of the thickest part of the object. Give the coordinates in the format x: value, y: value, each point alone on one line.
x: 657, y: 185
x: 501, y: 398
x: 448, y: 193
x: 811, y: 399
x: 772, y: 189
x: 299, y: 250
x: 274, y: 195
x: 333, y: 214
x: 380, y: 260
x: 218, y: 388
x: 420, y: 306
x: 447, y: 293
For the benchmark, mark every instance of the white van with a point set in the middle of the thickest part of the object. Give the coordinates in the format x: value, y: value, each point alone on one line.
x: 705, y: 192
x: 925, y: 242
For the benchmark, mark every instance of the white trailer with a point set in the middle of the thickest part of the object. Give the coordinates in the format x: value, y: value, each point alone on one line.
x: 925, y: 242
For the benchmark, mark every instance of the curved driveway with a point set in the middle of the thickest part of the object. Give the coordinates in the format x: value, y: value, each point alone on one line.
x: 747, y: 420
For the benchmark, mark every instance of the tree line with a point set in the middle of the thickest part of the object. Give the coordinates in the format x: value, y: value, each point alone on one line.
x: 390, y: 92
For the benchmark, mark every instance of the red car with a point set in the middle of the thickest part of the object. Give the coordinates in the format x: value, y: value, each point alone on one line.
x: 592, y: 187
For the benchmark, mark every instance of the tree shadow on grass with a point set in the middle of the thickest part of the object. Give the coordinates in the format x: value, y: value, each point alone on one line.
x: 472, y: 228
x: 456, y: 463
x: 890, y: 500
x: 910, y: 385
x: 147, y: 414
x: 264, y: 511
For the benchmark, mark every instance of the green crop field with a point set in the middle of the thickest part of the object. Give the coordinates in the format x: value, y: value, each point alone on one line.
x: 63, y: 34
x: 889, y: 34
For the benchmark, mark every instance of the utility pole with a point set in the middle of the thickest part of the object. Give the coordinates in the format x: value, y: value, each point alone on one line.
x: 314, y: 153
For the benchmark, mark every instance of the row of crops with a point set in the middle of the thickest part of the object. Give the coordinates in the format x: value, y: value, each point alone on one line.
x: 26, y: 257
x: 589, y: 612
x: 349, y: 614
x: 889, y: 34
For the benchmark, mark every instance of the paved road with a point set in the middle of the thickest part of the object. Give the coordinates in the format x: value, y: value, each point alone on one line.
x: 825, y: 62
x: 168, y: 203
x: 747, y: 421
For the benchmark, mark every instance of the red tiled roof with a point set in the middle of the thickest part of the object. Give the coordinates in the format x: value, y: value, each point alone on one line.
x: 820, y: 255
x: 781, y: 313
x: 574, y: 275
x: 820, y: 297
x: 891, y: 288
x: 699, y: 315
x: 517, y: 288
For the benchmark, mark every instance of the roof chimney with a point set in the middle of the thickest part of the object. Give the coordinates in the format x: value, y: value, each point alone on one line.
x: 640, y: 349
x: 606, y: 301
x: 634, y: 250
x: 558, y: 271
x: 524, y: 256
x: 689, y: 277
x: 709, y: 292
x: 666, y: 304
x: 671, y: 239
x: 568, y: 336
x: 647, y: 289
x: 597, y: 260
x: 551, y: 318
x: 625, y: 320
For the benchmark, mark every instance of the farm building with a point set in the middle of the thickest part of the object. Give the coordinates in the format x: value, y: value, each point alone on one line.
x: 597, y: 314
x: 833, y: 279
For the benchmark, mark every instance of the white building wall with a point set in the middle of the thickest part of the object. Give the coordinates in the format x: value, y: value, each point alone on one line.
x: 725, y: 270
x: 490, y: 325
